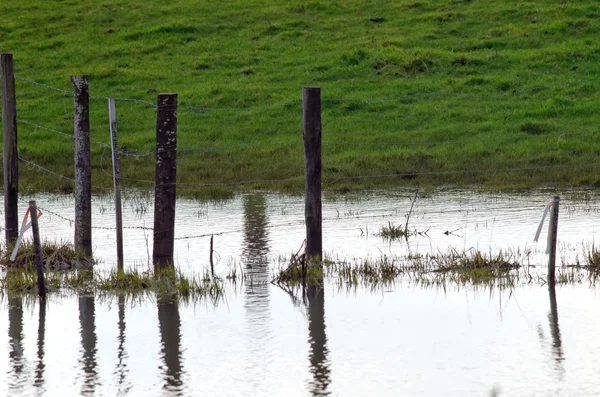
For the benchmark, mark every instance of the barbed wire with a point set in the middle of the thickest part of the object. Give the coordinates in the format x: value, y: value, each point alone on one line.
x: 299, y: 222
x: 41, y: 127
x: 100, y: 143
x: 61, y: 176
x: 181, y: 185
x: 426, y: 94
x: 46, y: 170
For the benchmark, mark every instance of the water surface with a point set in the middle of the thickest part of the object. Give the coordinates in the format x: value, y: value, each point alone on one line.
x: 400, y: 340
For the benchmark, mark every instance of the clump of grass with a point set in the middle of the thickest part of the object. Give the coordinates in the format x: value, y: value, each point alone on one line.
x: 593, y: 258
x: 169, y: 284
x: 476, y: 261
x: 55, y: 256
x: 391, y: 232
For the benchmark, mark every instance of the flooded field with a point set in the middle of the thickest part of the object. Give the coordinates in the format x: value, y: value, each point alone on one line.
x: 401, y: 339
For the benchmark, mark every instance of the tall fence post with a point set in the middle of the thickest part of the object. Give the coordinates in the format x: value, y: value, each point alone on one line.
x: 112, y: 116
x: 166, y: 173
x: 83, y: 165
x: 311, y: 132
x: 553, y: 238
x: 37, y: 246
x: 9, y: 142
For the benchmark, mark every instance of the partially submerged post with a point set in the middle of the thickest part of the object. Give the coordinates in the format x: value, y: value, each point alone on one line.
x: 166, y: 173
x: 553, y: 238
x: 37, y: 246
x: 83, y: 166
x: 311, y: 132
x: 9, y: 142
x: 112, y: 115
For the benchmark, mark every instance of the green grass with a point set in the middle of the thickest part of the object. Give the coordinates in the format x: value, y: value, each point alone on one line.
x: 470, y: 267
x: 168, y: 285
x: 449, y: 86
x: 55, y: 256
x: 392, y: 232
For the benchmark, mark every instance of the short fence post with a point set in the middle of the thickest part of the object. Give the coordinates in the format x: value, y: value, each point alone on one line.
x: 112, y: 116
x: 9, y: 142
x: 166, y: 173
x: 553, y: 238
x: 83, y: 166
x: 311, y: 131
x: 37, y: 246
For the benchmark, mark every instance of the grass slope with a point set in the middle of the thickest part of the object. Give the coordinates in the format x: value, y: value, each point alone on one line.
x: 430, y: 90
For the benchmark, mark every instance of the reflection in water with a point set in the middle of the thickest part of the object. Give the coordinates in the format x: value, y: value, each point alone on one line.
x: 15, y: 341
x: 170, y: 337
x: 557, y: 350
x: 121, y: 370
x: 87, y: 317
x: 39, y: 369
x: 319, y: 366
x: 255, y: 226
x: 256, y: 288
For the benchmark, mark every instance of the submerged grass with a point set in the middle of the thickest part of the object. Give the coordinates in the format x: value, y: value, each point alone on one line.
x: 55, y: 256
x: 391, y: 232
x: 470, y: 267
x: 168, y: 284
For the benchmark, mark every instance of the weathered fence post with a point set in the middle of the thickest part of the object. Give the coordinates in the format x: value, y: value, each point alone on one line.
x: 112, y: 116
x: 83, y: 166
x: 311, y: 131
x: 166, y: 172
x: 37, y: 246
x: 553, y: 238
x: 9, y: 142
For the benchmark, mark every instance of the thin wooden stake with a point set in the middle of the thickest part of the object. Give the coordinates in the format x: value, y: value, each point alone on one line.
x: 166, y: 173
x: 9, y: 142
x: 311, y: 131
x: 112, y: 115
x: 212, y: 267
x: 37, y: 246
x: 553, y: 239
x: 83, y: 165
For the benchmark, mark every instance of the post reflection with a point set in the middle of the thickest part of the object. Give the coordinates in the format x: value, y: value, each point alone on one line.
x: 255, y: 250
x: 15, y: 341
x: 87, y: 330
x: 40, y: 367
x: 557, y: 350
x: 170, y: 337
x: 319, y: 364
x: 121, y: 370
x: 256, y: 239
x: 256, y: 288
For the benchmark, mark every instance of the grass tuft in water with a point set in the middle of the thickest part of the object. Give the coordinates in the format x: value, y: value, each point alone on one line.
x: 55, y: 256
x: 168, y: 285
x: 391, y: 232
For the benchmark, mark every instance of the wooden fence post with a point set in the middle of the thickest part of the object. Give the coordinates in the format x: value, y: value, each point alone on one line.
x: 83, y: 166
x: 311, y: 131
x: 9, y: 142
x: 37, y: 246
x: 112, y: 116
x: 553, y: 238
x: 166, y: 173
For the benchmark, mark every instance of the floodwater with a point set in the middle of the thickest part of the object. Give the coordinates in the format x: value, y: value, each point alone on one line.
x: 400, y: 340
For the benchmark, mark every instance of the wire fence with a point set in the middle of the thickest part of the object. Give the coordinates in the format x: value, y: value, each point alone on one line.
x: 139, y: 153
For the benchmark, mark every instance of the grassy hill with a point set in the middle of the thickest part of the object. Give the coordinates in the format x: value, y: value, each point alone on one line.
x: 488, y: 93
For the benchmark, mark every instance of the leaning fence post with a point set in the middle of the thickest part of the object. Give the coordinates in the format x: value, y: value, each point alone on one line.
x: 311, y: 132
x: 112, y: 116
x: 553, y: 238
x: 166, y: 172
x: 9, y: 142
x: 37, y: 246
x: 83, y: 166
